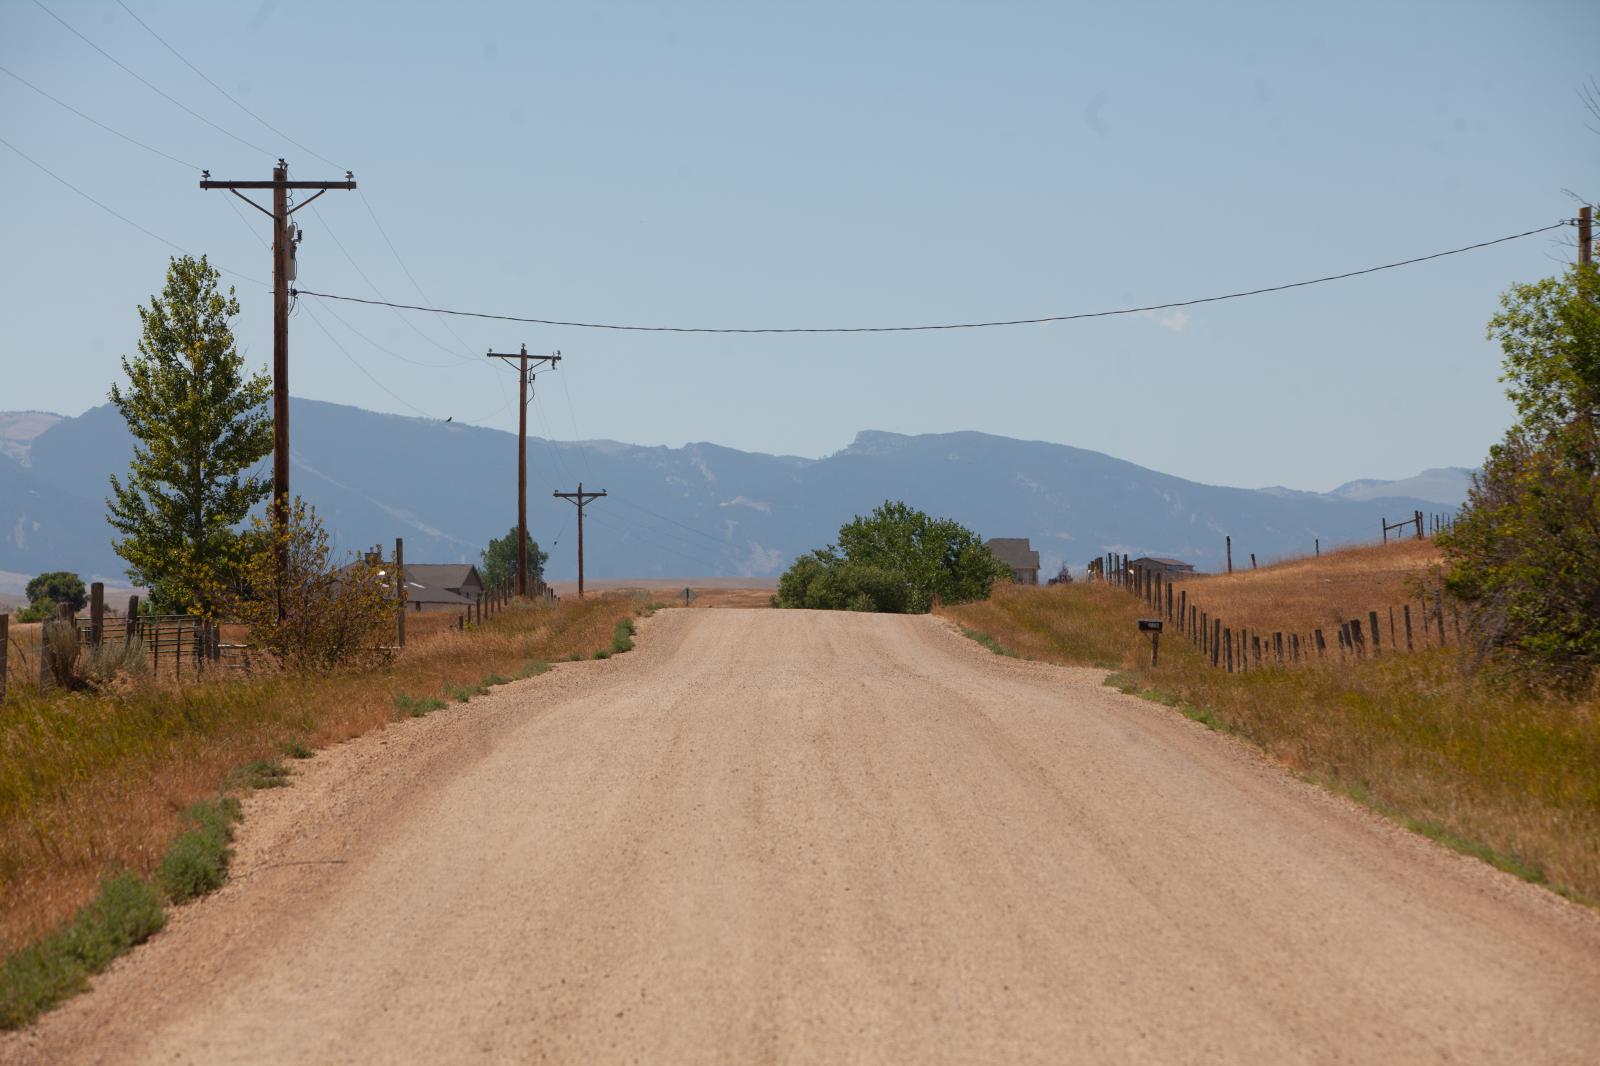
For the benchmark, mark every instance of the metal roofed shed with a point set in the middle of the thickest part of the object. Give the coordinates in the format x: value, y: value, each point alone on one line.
x: 1156, y: 564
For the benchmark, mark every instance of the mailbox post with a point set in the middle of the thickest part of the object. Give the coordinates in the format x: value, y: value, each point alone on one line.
x: 1153, y: 627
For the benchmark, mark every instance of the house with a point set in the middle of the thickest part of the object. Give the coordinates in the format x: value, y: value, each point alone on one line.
x: 1015, y: 553
x: 1169, y: 567
x: 442, y: 586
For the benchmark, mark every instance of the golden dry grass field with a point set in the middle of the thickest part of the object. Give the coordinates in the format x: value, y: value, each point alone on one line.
x: 1507, y: 774
x: 94, y: 782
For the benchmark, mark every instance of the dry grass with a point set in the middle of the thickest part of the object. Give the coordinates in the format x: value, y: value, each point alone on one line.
x: 91, y: 783
x: 1510, y: 776
x: 1299, y: 595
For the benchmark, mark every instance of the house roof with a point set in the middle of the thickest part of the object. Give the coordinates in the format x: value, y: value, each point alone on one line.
x: 1175, y: 564
x: 1014, y: 552
x: 418, y: 593
x: 442, y: 575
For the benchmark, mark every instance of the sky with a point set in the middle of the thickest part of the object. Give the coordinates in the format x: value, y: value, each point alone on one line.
x: 825, y: 164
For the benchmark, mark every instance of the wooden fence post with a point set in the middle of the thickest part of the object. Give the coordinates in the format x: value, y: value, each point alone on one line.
x: 1317, y: 543
x: 1356, y: 636
x: 130, y: 624
x: 1252, y: 560
x: 97, y: 613
x: 1229, y: 540
x: 1438, y: 613
x: 400, y: 590
x: 5, y: 645
x: 1277, y: 644
x: 1377, y: 642
x: 1322, y: 645
x: 1405, y: 613
x: 1227, y: 643
x: 1183, y: 609
x: 1216, y: 641
x: 1294, y: 646
x: 1169, y: 600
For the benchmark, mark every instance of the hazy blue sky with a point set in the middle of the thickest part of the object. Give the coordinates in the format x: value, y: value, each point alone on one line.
x: 747, y: 164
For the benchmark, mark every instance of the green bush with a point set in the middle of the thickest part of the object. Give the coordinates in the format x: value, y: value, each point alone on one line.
x: 126, y: 912
x: 1524, y: 555
x: 197, y: 862
x: 898, y: 560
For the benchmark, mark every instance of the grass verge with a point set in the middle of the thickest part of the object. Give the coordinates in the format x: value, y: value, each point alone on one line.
x: 91, y: 782
x: 1505, y: 775
x: 126, y: 911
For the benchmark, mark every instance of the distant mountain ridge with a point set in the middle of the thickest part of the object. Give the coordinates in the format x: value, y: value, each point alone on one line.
x: 1446, y: 486
x: 699, y: 510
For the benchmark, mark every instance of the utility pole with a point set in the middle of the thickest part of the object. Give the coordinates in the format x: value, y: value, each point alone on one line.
x: 522, y: 455
x: 285, y: 238
x: 580, y: 498
x: 1585, y: 235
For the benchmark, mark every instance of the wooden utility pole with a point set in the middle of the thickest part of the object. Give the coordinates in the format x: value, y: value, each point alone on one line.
x: 580, y: 498
x: 285, y: 238
x: 1585, y: 235
x: 400, y: 590
x: 522, y: 454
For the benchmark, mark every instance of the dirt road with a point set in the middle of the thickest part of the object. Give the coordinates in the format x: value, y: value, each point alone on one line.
x: 772, y: 836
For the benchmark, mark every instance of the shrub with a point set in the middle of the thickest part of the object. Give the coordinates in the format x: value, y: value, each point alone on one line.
x: 897, y: 560
x: 197, y: 862
x: 331, y: 616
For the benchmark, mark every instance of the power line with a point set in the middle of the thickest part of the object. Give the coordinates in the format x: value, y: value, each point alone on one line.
x: 165, y: 96
x: 121, y: 217
x: 97, y: 122
x: 370, y: 377
x: 950, y: 325
x: 718, y: 541
x: 373, y: 286
x: 405, y: 269
x: 224, y: 92
x: 660, y: 545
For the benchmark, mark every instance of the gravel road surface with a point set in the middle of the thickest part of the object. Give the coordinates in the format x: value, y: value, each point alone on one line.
x: 774, y: 836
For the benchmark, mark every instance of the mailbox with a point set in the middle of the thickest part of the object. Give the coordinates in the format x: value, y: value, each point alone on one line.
x: 1149, y: 625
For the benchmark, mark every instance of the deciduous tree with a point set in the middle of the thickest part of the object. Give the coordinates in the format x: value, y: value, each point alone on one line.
x: 200, y: 426
x: 1525, y: 552
x: 500, y: 561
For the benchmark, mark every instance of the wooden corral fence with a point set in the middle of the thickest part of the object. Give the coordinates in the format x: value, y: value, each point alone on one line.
x: 184, y: 646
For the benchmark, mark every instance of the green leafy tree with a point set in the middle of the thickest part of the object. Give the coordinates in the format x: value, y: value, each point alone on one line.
x: 58, y: 586
x: 1524, y: 555
x: 500, y: 561
x: 896, y: 560
x: 199, y: 426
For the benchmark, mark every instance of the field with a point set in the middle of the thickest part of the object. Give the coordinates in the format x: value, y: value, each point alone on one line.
x: 1508, y: 775
x: 94, y: 783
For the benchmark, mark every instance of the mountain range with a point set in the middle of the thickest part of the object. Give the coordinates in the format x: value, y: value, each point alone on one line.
x: 698, y: 510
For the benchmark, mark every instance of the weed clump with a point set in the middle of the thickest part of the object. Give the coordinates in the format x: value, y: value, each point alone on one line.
x: 197, y: 862
x: 125, y: 912
x: 262, y: 773
x: 987, y: 641
x: 623, y: 639
x: 417, y: 706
